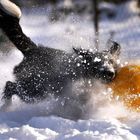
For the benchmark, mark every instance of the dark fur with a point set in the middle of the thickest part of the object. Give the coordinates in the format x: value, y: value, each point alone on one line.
x: 45, y: 71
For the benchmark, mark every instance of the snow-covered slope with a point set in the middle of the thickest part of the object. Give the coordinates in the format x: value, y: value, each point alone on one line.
x: 104, y: 120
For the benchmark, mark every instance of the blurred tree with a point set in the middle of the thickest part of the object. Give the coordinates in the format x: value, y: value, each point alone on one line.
x: 138, y: 3
x: 96, y: 15
x: 96, y: 21
x: 115, y: 1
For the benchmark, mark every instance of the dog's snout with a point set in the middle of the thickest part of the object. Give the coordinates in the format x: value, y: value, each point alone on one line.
x: 107, y: 75
x: 110, y: 74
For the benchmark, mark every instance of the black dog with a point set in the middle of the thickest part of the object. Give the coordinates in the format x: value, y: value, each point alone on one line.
x: 45, y: 71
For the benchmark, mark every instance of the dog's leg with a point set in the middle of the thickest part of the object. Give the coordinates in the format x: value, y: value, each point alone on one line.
x: 7, y: 103
x: 10, y: 90
x: 9, y: 22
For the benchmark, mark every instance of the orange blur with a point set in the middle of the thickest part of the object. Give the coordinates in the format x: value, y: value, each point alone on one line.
x: 126, y: 86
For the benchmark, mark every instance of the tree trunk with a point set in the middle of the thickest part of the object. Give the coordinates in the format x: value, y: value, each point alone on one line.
x: 139, y: 3
x: 96, y: 22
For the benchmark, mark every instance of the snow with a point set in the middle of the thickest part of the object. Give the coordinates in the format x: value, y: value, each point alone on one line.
x: 55, y: 128
x: 104, y: 119
x: 97, y: 59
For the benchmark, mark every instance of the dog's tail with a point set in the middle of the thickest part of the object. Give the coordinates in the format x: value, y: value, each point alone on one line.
x: 10, y: 15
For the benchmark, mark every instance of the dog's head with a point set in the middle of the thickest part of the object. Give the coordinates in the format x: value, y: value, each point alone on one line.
x: 100, y: 65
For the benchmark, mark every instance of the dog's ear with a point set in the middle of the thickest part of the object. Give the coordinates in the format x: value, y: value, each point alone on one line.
x: 76, y: 50
x: 115, y: 49
x: 82, y: 52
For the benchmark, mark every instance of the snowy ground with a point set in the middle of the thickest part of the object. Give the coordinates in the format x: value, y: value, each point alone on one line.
x: 106, y: 120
